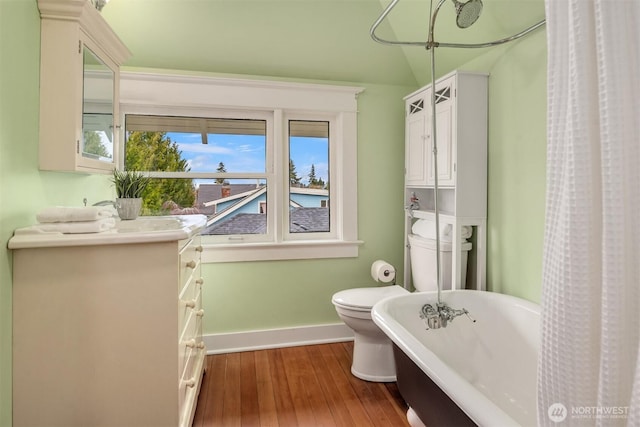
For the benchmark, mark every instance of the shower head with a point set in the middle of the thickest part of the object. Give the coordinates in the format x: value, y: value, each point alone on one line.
x: 467, y: 13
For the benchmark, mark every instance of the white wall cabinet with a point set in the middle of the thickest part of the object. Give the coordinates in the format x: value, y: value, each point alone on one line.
x: 80, y: 58
x: 107, y: 335
x: 461, y: 130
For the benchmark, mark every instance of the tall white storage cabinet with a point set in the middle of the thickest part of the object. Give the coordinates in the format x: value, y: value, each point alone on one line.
x: 461, y: 130
x: 108, y: 334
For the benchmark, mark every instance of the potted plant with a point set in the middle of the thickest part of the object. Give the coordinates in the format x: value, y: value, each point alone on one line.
x: 129, y: 188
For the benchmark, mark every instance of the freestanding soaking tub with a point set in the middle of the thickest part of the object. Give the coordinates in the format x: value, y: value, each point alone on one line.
x: 466, y: 373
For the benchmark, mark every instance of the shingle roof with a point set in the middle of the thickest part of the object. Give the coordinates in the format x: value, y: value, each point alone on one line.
x: 302, y: 220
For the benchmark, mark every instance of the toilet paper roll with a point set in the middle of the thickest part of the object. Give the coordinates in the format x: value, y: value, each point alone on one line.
x: 382, y: 271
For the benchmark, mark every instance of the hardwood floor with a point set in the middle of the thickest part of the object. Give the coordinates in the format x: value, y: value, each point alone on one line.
x: 294, y: 386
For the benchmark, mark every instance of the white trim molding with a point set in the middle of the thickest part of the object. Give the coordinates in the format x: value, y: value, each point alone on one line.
x: 140, y: 88
x: 208, y: 96
x: 234, y: 342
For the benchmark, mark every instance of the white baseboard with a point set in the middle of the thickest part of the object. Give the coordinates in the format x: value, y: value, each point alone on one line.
x: 276, y: 338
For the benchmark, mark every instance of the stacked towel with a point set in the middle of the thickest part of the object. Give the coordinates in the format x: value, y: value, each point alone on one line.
x: 74, y: 220
x: 74, y: 214
x: 427, y: 229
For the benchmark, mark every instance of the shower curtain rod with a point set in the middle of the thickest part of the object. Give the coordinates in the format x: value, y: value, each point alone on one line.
x: 430, y: 43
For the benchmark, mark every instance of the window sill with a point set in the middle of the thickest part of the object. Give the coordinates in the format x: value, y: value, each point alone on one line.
x: 215, y: 253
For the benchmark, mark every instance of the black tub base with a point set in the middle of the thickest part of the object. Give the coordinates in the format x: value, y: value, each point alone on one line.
x: 429, y: 402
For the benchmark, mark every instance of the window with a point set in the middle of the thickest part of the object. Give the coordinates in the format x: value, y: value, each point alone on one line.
x: 272, y: 165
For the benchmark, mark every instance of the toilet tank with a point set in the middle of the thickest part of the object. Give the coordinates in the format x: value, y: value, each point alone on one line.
x: 422, y: 251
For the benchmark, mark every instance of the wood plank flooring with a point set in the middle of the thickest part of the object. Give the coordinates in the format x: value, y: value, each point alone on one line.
x: 295, y: 386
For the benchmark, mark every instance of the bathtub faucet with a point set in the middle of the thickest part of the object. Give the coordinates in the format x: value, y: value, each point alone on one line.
x: 438, y: 316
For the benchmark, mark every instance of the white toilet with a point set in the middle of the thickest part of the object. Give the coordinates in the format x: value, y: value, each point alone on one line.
x: 372, y: 349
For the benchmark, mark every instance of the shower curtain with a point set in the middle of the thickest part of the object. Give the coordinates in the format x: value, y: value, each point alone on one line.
x: 589, y: 368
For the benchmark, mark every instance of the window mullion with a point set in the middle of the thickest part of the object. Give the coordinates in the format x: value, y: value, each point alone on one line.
x: 275, y: 206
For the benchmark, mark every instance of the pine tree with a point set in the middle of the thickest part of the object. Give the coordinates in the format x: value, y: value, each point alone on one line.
x: 312, y: 176
x: 221, y: 169
x: 315, y: 182
x: 294, y: 179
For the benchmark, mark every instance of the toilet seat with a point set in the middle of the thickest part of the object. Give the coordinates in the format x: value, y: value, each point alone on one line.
x: 363, y: 299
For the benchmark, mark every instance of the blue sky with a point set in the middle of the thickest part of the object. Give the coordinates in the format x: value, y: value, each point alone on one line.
x: 246, y: 153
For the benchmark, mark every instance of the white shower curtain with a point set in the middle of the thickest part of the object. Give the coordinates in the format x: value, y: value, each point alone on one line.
x: 589, y: 370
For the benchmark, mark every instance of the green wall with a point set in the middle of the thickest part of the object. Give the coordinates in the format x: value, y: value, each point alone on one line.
x: 517, y: 159
x: 24, y: 190
x: 263, y: 295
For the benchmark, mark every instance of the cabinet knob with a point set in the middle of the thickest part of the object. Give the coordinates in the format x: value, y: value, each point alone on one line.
x: 200, y: 313
x: 191, y: 343
x: 190, y: 382
x: 199, y: 248
x: 190, y: 303
x: 191, y: 264
x: 200, y: 345
x: 199, y: 281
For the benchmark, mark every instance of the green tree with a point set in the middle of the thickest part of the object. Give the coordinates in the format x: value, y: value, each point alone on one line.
x: 315, y: 182
x: 93, y: 144
x: 294, y: 179
x: 154, y: 151
x: 221, y: 169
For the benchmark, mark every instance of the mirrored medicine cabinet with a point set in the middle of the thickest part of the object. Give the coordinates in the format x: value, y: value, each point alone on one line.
x: 80, y: 62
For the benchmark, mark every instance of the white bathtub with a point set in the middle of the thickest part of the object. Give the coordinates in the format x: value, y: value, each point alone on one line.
x: 487, y: 368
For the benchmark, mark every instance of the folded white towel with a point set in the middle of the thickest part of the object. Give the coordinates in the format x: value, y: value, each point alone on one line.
x: 79, y: 227
x: 74, y: 214
x: 427, y: 229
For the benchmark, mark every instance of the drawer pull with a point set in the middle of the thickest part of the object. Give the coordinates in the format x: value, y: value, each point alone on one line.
x: 199, y: 248
x: 199, y: 281
x: 190, y: 303
x: 191, y: 264
x: 200, y: 313
x: 191, y: 383
x: 191, y: 343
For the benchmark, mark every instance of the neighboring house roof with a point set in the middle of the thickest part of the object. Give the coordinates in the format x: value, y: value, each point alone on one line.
x: 303, y: 220
x: 212, y: 192
x: 242, y: 200
x: 242, y: 223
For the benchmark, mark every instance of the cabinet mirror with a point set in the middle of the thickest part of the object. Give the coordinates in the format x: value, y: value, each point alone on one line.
x: 97, y: 109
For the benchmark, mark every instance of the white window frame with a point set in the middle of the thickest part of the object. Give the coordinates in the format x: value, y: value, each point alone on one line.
x: 206, y: 96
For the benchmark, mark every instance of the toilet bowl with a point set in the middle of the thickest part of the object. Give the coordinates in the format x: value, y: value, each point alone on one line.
x: 372, y: 349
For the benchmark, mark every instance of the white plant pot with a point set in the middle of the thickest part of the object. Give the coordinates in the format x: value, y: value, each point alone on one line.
x: 128, y: 208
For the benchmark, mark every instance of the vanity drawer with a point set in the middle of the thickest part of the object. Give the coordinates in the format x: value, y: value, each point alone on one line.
x: 189, y: 385
x: 189, y: 260
x: 190, y: 337
x: 190, y: 302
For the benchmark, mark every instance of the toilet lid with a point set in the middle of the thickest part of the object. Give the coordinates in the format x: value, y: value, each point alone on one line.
x: 365, y: 298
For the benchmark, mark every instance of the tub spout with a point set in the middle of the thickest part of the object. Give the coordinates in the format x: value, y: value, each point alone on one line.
x: 431, y: 317
x: 438, y: 316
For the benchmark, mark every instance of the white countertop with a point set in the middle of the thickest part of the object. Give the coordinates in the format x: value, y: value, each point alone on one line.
x: 144, y: 229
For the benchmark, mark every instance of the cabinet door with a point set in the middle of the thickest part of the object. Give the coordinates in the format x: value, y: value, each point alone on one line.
x: 415, y: 139
x: 445, y: 125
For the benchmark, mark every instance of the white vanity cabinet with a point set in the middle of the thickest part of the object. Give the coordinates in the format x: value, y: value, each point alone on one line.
x: 461, y: 100
x: 80, y: 58
x: 107, y: 335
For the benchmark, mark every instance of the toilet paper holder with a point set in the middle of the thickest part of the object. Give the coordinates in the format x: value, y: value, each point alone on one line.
x: 382, y: 271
